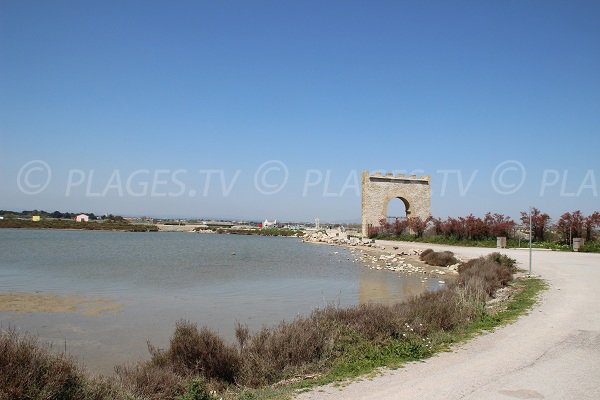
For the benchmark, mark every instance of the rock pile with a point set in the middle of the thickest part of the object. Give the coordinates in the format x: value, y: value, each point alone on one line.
x: 368, y: 253
x: 322, y: 237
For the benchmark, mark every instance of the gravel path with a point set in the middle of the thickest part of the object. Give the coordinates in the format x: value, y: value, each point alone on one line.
x: 552, y: 353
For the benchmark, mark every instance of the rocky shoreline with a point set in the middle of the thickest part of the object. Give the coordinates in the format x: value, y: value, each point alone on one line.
x: 400, y: 258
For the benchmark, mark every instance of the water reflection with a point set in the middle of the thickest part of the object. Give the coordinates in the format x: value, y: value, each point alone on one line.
x: 387, y: 287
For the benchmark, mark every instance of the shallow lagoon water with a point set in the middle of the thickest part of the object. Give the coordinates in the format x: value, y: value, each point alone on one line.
x: 160, y: 278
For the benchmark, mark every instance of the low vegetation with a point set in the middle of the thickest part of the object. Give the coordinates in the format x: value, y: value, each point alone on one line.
x: 27, y: 214
x: 107, y: 225
x: 29, y: 370
x: 328, y: 345
x: 470, y: 227
x: 257, y: 231
x: 482, y: 232
x: 438, y: 258
x: 591, y: 247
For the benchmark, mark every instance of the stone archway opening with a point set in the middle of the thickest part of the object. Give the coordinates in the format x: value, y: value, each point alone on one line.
x: 398, y: 209
x: 379, y: 190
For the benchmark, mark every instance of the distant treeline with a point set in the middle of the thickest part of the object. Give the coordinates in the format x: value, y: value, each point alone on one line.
x: 57, y: 215
x: 106, y: 225
x: 259, y: 232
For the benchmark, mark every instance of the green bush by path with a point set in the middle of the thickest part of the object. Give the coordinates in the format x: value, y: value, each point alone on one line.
x: 591, y: 247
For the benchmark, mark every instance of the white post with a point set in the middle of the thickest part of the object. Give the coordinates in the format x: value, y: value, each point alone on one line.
x: 571, y: 236
x: 530, y: 230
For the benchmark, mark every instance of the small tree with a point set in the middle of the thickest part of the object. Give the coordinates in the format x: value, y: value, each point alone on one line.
x: 459, y: 227
x: 570, y: 225
x: 399, y: 226
x: 417, y: 225
x: 590, y: 223
x: 385, y: 227
x: 498, y: 225
x: 438, y: 226
x: 539, y: 221
x: 475, y: 227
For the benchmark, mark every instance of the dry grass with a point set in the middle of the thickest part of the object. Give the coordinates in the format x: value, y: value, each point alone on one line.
x: 28, y: 371
x: 201, y: 352
x: 151, y: 382
x: 31, y: 371
x: 442, y: 310
x: 273, y: 354
x: 438, y: 258
x: 485, y: 273
x: 375, y: 322
x: 191, y: 352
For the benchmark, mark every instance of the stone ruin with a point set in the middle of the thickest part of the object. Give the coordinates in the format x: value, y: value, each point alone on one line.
x: 378, y: 190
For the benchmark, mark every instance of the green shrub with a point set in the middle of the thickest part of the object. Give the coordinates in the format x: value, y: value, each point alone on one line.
x: 197, y: 390
x: 592, y: 246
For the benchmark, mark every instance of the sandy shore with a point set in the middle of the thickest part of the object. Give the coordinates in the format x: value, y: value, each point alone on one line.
x: 56, y: 303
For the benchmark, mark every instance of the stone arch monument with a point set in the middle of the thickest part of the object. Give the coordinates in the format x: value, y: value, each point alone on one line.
x: 378, y: 190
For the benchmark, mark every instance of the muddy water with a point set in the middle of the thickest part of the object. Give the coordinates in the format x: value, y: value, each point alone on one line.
x: 107, y: 293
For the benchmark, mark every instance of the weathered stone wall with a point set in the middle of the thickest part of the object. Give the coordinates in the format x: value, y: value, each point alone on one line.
x: 378, y: 190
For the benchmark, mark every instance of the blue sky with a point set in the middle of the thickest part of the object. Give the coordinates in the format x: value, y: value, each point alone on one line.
x: 331, y: 86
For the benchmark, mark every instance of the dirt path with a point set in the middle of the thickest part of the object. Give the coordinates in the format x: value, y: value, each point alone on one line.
x: 553, y: 353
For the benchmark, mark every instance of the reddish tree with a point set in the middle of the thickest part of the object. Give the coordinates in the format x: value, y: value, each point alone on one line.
x: 417, y: 225
x: 590, y: 223
x: 384, y: 227
x: 438, y: 225
x: 399, y: 225
x: 455, y: 227
x: 372, y: 231
x: 570, y: 225
x: 461, y: 228
x: 539, y: 222
x: 475, y: 227
x: 499, y: 225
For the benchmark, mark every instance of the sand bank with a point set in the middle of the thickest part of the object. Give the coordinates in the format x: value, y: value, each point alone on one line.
x: 56, y: 303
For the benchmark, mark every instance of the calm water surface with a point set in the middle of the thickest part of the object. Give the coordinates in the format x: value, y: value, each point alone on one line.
x: 159, y: 278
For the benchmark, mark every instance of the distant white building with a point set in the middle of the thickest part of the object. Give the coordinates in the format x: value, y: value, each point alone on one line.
x: 268, y: 224
x: 82, y: 218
